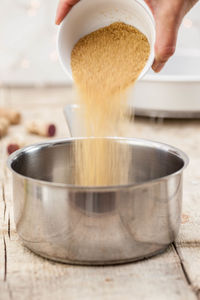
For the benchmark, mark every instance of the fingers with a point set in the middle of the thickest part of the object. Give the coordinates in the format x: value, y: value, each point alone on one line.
x: 167, y: 25
x: 164, y: 48
x: 168, y: 15
x: 64, y: 7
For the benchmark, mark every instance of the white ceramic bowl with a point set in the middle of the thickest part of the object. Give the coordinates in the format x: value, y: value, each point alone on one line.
x: 90, y: 15
x: 173, y: 93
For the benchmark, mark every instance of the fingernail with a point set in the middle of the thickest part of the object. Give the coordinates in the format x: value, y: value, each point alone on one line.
x: 57, y: 21
x: 157, y: 66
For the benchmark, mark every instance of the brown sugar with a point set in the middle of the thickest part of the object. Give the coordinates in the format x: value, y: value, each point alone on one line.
x: 105, y: 64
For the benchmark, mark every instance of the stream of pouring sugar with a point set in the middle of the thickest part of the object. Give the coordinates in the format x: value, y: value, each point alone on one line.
x: 105, y: 64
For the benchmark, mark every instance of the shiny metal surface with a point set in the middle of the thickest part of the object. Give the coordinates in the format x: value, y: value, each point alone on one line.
x: 90, y: 225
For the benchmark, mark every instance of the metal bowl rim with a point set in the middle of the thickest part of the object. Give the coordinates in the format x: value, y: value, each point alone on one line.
x: 150, y: 143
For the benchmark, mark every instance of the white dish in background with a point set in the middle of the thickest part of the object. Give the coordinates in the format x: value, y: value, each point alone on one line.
x: 89, y: 15
x: 173, y: 93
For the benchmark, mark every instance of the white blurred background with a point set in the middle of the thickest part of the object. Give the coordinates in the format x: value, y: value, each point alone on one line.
x: 28, y: 42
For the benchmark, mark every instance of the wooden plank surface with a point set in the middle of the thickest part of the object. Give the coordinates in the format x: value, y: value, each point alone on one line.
x: 173, y: 275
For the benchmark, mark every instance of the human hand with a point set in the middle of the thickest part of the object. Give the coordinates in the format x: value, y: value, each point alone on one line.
x: 63, y: 8
x: 168, y: 16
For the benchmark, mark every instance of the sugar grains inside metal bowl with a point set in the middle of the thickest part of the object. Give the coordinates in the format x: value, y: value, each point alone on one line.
x: 97, y: 225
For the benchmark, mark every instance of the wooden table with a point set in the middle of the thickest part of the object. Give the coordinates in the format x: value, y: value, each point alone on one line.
x: 173, y: 275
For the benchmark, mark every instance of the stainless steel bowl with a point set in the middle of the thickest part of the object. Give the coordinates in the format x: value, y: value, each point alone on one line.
x: 97, y: 225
